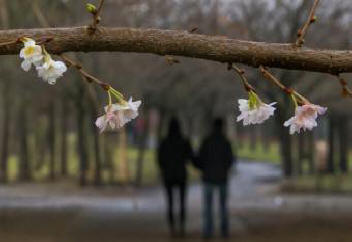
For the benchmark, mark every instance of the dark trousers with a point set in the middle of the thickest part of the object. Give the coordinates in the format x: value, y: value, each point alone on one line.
x: 170, y: 189
x: 208, y: 228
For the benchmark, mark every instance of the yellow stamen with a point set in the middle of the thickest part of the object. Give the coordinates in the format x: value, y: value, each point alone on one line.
x: 29, y: 50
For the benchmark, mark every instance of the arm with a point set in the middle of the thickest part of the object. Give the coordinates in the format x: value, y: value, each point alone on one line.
x: 198, y: 160
x: 230, y: 158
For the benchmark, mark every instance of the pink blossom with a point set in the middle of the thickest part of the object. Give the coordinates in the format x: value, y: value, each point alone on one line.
x: 305, y: 118
x: 117, y: 115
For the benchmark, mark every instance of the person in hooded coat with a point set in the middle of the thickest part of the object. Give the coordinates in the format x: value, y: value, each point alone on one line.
x: 215, y: 160
x: 174, y: 153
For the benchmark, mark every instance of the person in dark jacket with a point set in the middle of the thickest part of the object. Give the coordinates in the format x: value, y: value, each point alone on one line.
x: 173, y: 154
x: 215, y: 160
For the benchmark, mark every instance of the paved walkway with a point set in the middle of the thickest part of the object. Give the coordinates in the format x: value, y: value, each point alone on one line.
x: 49, y: 214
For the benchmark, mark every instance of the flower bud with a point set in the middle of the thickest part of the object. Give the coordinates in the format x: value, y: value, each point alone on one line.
x: 91, y: 8
x: 312, y: 20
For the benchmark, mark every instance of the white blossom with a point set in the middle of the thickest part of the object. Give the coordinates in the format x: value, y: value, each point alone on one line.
x: 305, y: 118
x: 31, y: 53
x: 254, y: 114
x: 51, y: 70
x: 117, y: 115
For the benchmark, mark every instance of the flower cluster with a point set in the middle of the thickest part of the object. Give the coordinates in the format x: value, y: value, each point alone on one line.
x: 253, y: 110
x: 48, y: 69
x: 117, y: 114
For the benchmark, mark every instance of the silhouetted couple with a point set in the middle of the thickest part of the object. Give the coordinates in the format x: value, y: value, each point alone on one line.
x: 214, y: 160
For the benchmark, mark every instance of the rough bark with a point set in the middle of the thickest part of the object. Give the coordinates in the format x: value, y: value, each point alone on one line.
x: 183, y: 43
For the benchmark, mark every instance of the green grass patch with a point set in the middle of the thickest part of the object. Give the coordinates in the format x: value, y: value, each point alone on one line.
x: 321, y: 183
x: 259, y: 153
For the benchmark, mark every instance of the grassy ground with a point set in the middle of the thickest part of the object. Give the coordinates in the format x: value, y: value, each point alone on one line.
x: 260, y: 154
x: 319, y: 183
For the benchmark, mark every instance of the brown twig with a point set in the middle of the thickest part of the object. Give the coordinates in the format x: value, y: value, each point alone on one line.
x: 96, y: 17
x: 193, y: 30
x: 267, y: 75
x: 346, y: 91
x: 241, y: 74
x: 86, y: 76
x: 311, y: 19
x: 12, y: 42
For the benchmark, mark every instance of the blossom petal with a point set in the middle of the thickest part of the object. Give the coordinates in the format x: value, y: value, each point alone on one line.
x: 26, y: 65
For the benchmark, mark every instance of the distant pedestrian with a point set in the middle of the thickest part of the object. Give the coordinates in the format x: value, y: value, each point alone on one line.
x: 215, y: 160
x: 173, y: 155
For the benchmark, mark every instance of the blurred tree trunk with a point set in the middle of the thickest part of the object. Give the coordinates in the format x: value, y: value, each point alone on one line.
x: 344, y: 132
x: 123, y: 163
x: 80, y: 99
x: 265, y: 137
x: 24, y: 167
x: 51, y: 141
x: 301, y: 153
x: 162, y: 119
x: 108, y: 155
x: 6, y: 107
x: 331, y: 153
x: 239, y: 131
x: 40, y: 143
x: 64, y: 131
x: 81, y: 143
x: 253, y: 138
x: 5, y: 134
x: 97, y: 145
x: 311, y: 149
x: 286, y: 151
x: 285, y: 140
x: 142, y: 145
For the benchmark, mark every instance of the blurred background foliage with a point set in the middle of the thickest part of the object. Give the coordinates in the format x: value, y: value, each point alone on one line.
x: 47, y: 132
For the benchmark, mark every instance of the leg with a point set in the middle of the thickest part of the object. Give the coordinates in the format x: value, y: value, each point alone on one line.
x: 183, y: 208
x: 170, y: 207
x: 224, y: 213
x: 208, y: 211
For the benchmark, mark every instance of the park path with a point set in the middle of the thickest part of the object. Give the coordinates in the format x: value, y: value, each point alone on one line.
x: 247, y: 182
x: 42, y: 214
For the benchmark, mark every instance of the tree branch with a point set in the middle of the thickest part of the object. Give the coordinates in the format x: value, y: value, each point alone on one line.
x: 86, y: 76
x: 311, y: 19
x: 346, y: 91
x: 182, y: 43
x: 96, y: 16
x: 241, y: 74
